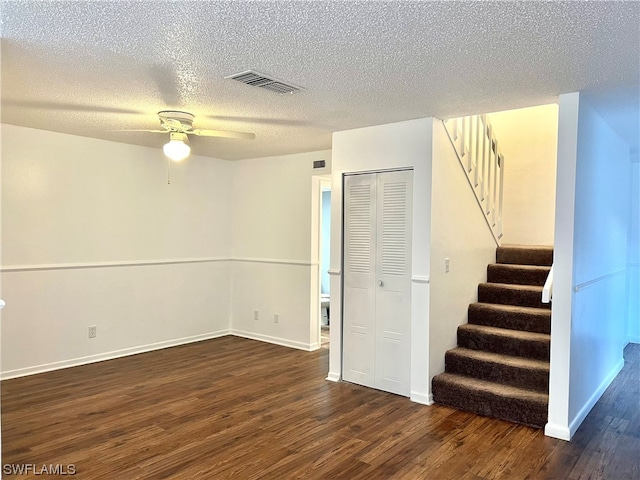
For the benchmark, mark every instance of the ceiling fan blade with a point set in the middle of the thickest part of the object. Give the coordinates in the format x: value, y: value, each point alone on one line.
x: 140, y: 130
x: 223, y: 133
x: 73, y: 107
x: 264, y: 120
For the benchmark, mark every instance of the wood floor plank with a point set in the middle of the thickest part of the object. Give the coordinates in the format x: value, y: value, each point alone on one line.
x: 232, y: 408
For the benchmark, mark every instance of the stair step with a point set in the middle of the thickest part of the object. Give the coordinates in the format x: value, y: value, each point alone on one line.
x: 517, y: 274
x: 525, y: 255
x: 504, y: 341
x: 528, y: 319
x: 492, y: 399
x: 506, y: 294
x: 504, y: 369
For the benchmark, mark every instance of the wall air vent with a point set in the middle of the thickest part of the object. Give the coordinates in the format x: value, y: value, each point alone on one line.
x: 260, y: 80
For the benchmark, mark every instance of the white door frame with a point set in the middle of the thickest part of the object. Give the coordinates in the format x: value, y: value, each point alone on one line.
x: 378, y: 331
x: 421, y: 234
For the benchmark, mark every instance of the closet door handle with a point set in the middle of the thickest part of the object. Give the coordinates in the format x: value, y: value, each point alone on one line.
x: 380, y: 283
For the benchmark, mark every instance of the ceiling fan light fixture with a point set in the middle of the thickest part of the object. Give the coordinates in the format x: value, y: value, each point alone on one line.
x: 178, y: 147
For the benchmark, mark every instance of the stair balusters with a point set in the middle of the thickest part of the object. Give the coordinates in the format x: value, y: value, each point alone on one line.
x: 476, y: 147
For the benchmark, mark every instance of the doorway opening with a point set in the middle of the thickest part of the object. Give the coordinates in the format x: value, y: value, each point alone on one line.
x: 320, y: 314
x: 324, y: 261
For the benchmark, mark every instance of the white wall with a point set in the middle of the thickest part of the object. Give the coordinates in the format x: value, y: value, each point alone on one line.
x: 589, y: 316
x: 92, y: 234
x: 273, y: 269
x: 397, y: 145
x: 633, y: 257
x: 459, y: 233
x: 598, y: 333
x: 528, y: 140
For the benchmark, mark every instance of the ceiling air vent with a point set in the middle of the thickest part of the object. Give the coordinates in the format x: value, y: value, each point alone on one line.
x: 260, y: 80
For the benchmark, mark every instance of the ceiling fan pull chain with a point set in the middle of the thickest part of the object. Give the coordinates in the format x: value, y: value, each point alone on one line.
x: 168, y: 171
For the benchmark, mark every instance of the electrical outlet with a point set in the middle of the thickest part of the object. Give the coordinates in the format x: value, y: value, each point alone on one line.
x: 276, y: 318
x: 93, y: 331
x: 446, y: 265
x: 256, y: 315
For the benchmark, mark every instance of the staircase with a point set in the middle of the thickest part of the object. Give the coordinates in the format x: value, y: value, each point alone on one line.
x: 501, y: 365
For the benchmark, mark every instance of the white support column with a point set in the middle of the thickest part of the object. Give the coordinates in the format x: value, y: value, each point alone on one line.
x: 561, y: 313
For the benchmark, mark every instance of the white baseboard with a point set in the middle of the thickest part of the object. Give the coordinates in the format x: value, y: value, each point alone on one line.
x: 333, y: 377
x: 584, y: 411
x: 557, y: 431
x: 307, y: 347
x: 100, y: 357
x: 421, y: 398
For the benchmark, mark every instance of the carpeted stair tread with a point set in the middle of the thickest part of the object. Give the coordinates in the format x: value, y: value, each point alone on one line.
x: 525, y: 255
x: 493, y: 399
x: 517, y: 274
x: 504, y: 341
x: 513, y: 317
x: 504, y: 369
x: 507, y: 294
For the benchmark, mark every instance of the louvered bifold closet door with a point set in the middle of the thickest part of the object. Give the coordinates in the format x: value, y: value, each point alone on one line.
x: 359, y: 279
x: 377, y: 280
x: 393, y: 283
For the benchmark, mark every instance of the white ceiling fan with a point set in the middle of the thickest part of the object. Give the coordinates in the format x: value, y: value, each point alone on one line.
x: 179, y: 125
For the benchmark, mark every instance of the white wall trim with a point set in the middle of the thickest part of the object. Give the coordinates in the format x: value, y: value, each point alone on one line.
x: 74, y: 362
x: 137, y: 263
x: 420, y: 279
x: 584, y: 411
x: 378, y: 170
x: 579, y: 287
x: 276, y: 261
x: 557, y: 431
x: 145, y: 263
x: 333, y: 377
x: 307, y: 347
x: 421, y: 398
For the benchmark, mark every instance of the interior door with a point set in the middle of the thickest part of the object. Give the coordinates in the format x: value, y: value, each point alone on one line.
x: 393, y: 283
x: 377, y: 280
x: 359, y: 279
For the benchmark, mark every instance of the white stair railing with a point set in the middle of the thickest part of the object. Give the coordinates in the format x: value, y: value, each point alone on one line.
x: 547, y: 290
x: 477, y: 149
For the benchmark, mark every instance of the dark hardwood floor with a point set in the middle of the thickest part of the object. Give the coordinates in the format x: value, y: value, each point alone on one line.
x: 236, y: 408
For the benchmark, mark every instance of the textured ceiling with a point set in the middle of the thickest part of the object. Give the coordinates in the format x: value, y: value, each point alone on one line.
x: 93, y: 68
